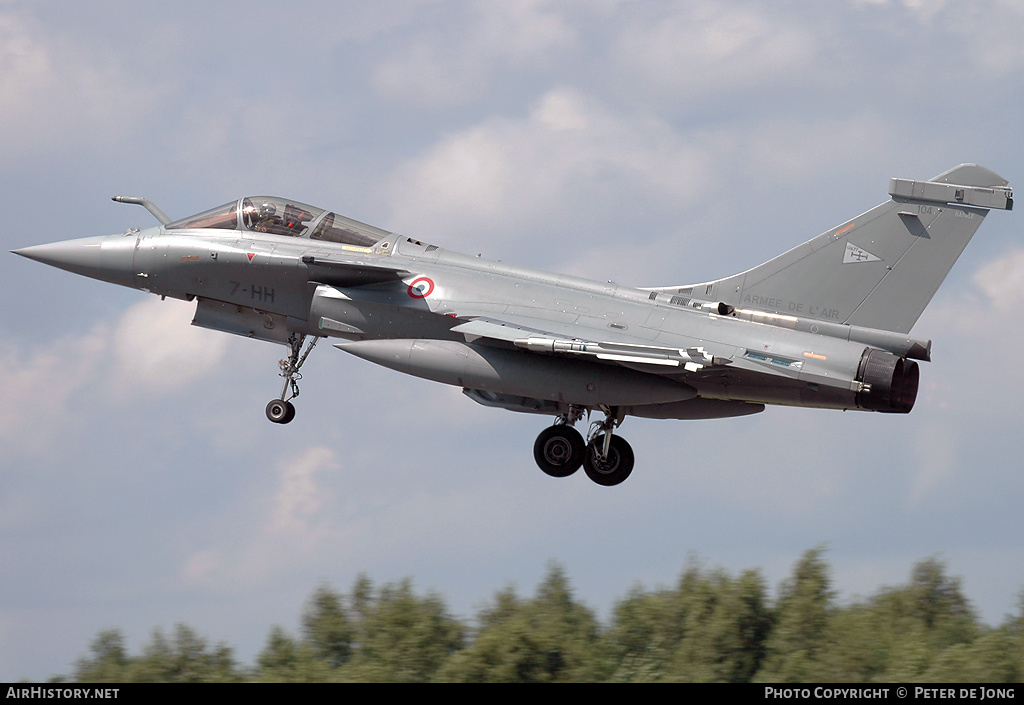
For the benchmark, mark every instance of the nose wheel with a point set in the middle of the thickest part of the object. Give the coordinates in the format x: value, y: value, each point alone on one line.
x: 282, y: 410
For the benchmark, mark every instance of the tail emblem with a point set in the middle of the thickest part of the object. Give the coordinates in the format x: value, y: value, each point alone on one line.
x: 856, y: 254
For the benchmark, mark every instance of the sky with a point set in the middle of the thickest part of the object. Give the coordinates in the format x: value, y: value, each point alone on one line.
x: 652, y: 143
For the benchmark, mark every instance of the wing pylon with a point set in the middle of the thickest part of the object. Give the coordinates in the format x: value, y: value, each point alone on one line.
x: 691, y: 359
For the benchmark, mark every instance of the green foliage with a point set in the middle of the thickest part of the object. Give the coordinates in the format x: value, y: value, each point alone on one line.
x: 283, y: 660
x: 108, y: 661
x: 646, y: 631
x: 802, y: 615
x: 710, y: 627
x: 551, y: 638
x: 987, y: 659
x: 924, y: 631
x: 402, y: 637
x: 182, y: 658
x: 327, y: 628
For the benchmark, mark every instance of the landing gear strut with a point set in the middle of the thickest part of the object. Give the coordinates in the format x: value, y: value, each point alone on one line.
x: 606, y: 458
x: 609, y: 458
x: 282, y: 410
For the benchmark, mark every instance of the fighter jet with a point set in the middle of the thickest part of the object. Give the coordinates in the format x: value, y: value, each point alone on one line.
x: 824, y: 325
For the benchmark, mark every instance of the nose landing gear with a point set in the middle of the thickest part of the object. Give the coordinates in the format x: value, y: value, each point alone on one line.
x: 606, y: 458
x: 282, y: 410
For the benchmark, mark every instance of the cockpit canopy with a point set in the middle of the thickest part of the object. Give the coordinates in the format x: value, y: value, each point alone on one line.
x: 280, y: 216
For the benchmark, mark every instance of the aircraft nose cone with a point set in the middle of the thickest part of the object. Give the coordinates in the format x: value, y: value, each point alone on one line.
x: 72, y: 255
x: 108, y: 258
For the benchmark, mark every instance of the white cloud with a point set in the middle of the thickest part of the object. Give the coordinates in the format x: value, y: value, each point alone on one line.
x: 24, y: 66
x: 157, y: 350
x: 990, y: 313
x: 299, y: 498
x: 201, y: 566
x: 569, y: 154
x: 976, y: 333
x: 58, y: 93
x: 38, y: 383
x: 1002, y: 281
x: 696, y: 50
x: 925, y: 10
x: 279, y: 525
x: 150, y: 349
x: 994, y: 35
x: 986, y: 34
x: 799, y: 151
x: 451, y: 63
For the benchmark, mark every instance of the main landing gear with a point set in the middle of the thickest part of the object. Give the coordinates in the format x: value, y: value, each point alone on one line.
x: 606, y: 458
x: 282, y: 410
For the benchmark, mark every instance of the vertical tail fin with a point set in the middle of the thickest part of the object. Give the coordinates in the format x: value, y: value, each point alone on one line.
x: 878, y: 270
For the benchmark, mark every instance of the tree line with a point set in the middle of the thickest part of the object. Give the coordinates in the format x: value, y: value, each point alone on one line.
x: 710, y: 627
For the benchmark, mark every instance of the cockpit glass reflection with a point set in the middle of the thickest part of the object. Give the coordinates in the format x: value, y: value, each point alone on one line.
x: 220, y: 218
x: 277, y: 216
x: 281, y: 216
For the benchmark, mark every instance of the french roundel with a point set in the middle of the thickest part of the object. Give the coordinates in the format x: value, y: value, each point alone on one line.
x: 421, y: 287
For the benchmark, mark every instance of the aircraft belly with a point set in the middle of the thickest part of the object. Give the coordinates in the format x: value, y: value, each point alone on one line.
x: 520, y: 373
x: 239, y: 320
